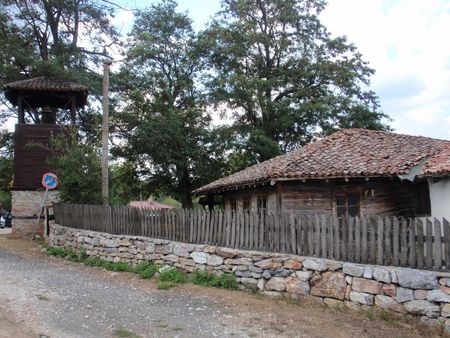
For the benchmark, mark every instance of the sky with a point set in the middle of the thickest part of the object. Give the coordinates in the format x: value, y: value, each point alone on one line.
x: 405, y: 41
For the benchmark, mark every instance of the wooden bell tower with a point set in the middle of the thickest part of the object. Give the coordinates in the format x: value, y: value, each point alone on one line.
x: 41, y: 102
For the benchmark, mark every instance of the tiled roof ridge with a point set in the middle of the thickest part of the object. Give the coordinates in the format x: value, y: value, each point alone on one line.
x: 38, y: 82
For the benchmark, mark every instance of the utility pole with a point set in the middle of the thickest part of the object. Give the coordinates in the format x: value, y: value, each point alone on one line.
x: 105, y: 132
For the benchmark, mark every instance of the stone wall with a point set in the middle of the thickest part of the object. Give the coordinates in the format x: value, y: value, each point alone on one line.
x: 24, y: 208
x: 424, y: 294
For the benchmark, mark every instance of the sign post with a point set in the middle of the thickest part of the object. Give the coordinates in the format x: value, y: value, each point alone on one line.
x: 49, y: 181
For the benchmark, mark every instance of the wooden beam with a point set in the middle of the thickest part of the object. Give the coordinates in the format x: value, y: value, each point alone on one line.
x: 20, y: 110
x: 73, y: 110
x: 279, y: 196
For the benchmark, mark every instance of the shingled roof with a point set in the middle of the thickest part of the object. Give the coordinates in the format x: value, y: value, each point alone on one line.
x: 44, y: 85
x: 349, y: 153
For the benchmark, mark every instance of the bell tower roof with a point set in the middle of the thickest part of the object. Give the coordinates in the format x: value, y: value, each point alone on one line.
x: 42, y: 91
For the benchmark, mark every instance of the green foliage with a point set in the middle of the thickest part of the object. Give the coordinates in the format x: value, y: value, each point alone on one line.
x: 172, y: 275
x: 93, y: 261
x: 284, y: 76
x: 125, y: 185
x: 48, y: 38
x: 124, y: 333
x: 77, y: 165
x: 165, y: 127
x: 149, y: 271
x: 226, y: 281
x: 59, y: 252
x: 165, y: 285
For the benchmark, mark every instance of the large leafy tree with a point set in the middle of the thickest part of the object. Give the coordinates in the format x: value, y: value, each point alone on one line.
x: 286, y: 79
x: 163, y: 124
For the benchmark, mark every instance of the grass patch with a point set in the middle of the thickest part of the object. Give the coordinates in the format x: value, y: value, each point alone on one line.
x: 225, y: 281
x: 172, y: 275
x: 123, y: 333
x: 165, y: 285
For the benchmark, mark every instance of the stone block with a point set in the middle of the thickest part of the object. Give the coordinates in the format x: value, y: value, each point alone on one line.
x: 280, y: 272
x: 265, y: 264
x: 368, y: 272
x: 353, y: 269
x: 389, y: 290
x: 226, y: 252
x: 331, y: 285
x: 297, y: 286
x: 404, y: 295
x: 352, y: 306
x: 171, y: 258
x: 162, y: 249
x: 388, y: 303
x: 244, y: 274
x: 209, y: 249
x: 444, y: 281
x: 304, y: 275
x: 382, y: 275
x: 438, y: 296
x: 199, y: 257
x: 333, y: 265
x: 180, y: 250
x: 447, y: 326
x: 261, y: 284
x: 422, y: 307
x: 315, y: 264
x: 417, y: 279
x: 239, y: 261
x: 276, y: 284
x: 420, y: 294
x: 214, y: 260
x: 266, y: 274
x: 292, y: 264
x: 362, y: 298
x: 446, y: 311
x: 366, y: 285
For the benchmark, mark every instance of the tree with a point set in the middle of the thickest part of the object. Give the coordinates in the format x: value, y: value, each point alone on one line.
x: 58, y: 38
x: 6, y: 168
x: 125, y: 184
x: 286, y: 79
x: 77, y: 164
x: 163, y: 124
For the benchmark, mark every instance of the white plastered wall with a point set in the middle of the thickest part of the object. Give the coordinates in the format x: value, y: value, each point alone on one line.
x: 440, y: 198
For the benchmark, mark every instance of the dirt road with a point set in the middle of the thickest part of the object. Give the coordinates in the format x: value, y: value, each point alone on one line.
x: 41, y: 295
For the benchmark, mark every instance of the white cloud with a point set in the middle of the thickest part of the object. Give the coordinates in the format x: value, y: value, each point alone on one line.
x: 405, y: 42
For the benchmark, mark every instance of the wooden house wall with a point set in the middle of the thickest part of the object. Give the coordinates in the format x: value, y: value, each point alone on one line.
x: 30, y: 159
x: 377, y: 197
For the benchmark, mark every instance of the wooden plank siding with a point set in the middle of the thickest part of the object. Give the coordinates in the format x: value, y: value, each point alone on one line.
x: 30, y: 159
x: 378, y: 197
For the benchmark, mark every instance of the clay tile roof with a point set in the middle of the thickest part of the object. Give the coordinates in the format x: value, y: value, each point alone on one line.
x: 43, y: 83
x: 348, y: 153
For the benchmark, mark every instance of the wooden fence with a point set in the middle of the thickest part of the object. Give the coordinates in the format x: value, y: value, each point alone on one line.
x: 419, y: 243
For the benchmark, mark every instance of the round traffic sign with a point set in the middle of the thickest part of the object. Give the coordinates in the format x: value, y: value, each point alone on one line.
x: 49, y: 180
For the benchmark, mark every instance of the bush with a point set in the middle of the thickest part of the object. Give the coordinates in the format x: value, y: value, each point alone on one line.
x: 171, y: 275
x: 93, y: 261
x: 225, y: 281
x: 149, y: 271
x: 165, y: 285
x: 59, y: 252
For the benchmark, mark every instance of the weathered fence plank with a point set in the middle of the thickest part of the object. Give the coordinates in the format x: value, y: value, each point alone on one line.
x: 383, y: 241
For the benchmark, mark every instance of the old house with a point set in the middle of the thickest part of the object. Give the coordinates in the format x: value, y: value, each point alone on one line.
x: 351, y: 172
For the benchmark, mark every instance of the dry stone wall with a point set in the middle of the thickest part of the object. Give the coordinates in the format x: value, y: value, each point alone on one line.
x: 407, y: 291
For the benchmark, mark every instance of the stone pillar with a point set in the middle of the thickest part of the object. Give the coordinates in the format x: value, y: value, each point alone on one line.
x: 24, y: 208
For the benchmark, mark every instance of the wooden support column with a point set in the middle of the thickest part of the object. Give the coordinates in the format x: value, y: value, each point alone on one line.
x: 20, y: 110
x: 279, y: 187
x: 73, y: 110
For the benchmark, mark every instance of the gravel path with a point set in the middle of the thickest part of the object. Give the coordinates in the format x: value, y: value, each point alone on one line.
x: 41, y: 295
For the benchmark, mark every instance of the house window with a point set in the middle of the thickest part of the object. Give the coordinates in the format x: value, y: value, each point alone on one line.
x: 246, y: 204
x: 422, y: 199
x: 347, y: 204
x: 262, y: 204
